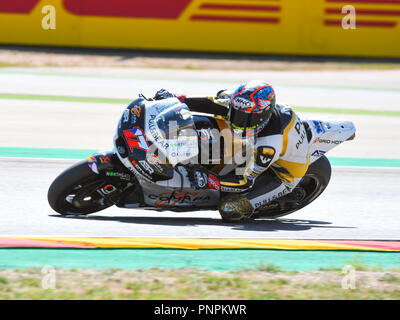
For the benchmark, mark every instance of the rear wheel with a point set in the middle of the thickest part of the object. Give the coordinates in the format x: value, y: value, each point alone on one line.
x: 79, y: 191
x: 309, y: 188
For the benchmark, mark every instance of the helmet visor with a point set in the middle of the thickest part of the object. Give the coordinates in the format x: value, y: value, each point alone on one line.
x: 246, y: 121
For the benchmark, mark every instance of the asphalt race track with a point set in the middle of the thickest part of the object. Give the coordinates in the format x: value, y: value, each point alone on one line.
x: 359, y: 203
x: 346, y: 211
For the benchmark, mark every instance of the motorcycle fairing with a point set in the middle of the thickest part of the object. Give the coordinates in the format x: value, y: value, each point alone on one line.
x: 157, y: 196
x: 328, y: 134
x: 134, y: 146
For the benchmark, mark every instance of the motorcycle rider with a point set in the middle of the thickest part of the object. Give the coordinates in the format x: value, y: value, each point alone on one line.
x: 280, y: 144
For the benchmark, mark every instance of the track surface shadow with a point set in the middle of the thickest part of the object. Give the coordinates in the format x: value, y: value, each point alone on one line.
x: 251, y: 225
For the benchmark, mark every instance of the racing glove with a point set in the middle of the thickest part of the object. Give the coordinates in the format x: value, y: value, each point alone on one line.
x: 164, y: 94
x: 223, y: 94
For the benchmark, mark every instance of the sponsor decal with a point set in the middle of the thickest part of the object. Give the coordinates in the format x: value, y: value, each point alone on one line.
x: 92, y: 164
x: 141, y: 171
x: 104, y: 159
x: 327, y: 141
x: 318, y: 127
x: 155, y: 134
x: 242, y: 103
x: 302, y: 134
x: 297, y: 127
x: 136, y: 139
x: 146, y: 166
x: 122, y: 176
x: 107, y: 190
x: 136, y: 113
x: 301, y: 140
x: 174, y: 198
x: 230, y: 189
x: 161, y: 107
x: 264, y: 156
x: 274, y: 197
x: 318, y: 153
x: 264, y: 160
x: 213, y: 183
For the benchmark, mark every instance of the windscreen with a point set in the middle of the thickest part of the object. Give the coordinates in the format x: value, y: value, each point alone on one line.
x: 177, y: 129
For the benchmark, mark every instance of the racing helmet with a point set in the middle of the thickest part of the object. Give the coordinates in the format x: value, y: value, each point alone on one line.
x: 250, y: 107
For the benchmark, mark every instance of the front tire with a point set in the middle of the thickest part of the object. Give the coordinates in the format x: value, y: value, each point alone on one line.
x: 75, y: 191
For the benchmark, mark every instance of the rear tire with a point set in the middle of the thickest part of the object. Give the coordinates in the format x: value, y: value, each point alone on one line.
x: 75, y: 182
x: 312, y: 185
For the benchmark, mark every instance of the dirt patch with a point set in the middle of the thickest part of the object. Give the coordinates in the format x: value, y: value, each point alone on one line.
x: 184, y: 284
x: 54, y: 57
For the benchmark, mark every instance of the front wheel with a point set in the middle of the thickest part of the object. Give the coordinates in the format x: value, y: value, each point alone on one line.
x: 79, y: 191
x: 309, y: 188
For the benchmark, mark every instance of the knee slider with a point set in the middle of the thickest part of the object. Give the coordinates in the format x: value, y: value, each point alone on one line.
x: 235, y: 207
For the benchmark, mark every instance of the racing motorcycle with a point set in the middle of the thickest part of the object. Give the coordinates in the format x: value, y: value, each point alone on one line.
x: 154, y: 138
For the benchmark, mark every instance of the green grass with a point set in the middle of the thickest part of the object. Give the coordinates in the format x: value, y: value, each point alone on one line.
x: 264, y: 283
x: 269, y: 268
x: 390, y: 277
x: 29, y: 283
x: 3, y: 280
x: 356, y: 263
